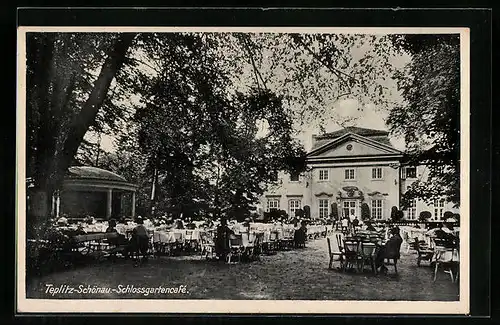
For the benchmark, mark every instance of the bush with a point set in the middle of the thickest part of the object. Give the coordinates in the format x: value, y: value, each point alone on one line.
x: 365, y: 212
x: 424, y: 216
x: 299, y: 213
x: 307, y: 211
x: 394, y: 213
x: 335, y: 211
x: 448, y: 214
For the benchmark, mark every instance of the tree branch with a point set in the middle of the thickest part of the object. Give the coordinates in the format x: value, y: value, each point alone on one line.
x: 87, y: 115
x: 335, y: 71
x: 251, y: 54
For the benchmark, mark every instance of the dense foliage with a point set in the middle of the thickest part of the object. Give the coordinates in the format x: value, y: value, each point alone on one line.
x: 429, y: 118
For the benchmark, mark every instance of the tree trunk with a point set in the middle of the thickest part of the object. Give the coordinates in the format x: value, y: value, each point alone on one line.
x: 91, y: 107
x: 48, y: 97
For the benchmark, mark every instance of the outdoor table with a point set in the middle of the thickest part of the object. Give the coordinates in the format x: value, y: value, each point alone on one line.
x: 165, y: 237
x: 445, y: 255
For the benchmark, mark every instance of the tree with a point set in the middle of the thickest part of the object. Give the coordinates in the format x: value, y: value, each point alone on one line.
x: 429, y: 118
x: 199, y: 133
x: 365, y: 212
x: 67, y: 99
x: 64, y: 99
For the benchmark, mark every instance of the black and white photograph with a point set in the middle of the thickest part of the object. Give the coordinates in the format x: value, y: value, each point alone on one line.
x: 263, y: 170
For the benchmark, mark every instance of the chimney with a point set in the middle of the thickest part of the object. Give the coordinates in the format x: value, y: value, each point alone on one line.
x: 313, y: 140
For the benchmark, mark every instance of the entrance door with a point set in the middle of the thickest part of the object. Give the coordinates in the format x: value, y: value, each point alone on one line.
x: 349, y: 208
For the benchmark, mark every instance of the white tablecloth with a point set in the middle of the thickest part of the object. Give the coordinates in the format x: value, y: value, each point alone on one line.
x: 444, y: 255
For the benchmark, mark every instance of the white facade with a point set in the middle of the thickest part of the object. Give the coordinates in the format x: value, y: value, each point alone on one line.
x: 350, y: 168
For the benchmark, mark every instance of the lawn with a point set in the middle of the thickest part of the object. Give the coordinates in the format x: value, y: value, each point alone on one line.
x: 300, y: 274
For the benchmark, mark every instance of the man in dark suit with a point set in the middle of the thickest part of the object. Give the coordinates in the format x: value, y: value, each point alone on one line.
x: 389, y: 250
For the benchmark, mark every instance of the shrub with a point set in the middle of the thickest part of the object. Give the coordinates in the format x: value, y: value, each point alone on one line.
x: 307, y: 211
x: 365, y: 212
x: 424, y: 216
x: 394, y: 212
x: 274, y: 215
x: 299, y: 213
x: 448, y: 214
x: 335, y: 211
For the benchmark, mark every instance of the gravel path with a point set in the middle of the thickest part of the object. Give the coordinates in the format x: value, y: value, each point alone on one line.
x: 301, y: 274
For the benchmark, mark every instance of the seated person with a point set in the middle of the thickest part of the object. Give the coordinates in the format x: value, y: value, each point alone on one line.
x: 120, y: 240
x: 140, y: 239
x: 389, y: 250
x: 222, y: 239
x: 179, y: 224
x: 190, y: 225
x: 111, y: 226
x: 446, y: 236
x: 370, y: 227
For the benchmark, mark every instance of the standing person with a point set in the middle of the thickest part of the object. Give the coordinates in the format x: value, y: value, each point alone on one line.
x: 222, y: 239
x: 140, y: 239
x: 355, y: 223
x: 345, y: 225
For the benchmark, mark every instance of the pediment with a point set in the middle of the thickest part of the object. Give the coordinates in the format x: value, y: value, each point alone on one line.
x: 352, y: 145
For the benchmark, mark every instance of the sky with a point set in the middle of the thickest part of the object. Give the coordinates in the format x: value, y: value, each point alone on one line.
x: 368, y: 117
x: 361, y: 115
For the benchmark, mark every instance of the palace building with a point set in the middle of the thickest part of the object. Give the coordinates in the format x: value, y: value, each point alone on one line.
x: 347, y: 168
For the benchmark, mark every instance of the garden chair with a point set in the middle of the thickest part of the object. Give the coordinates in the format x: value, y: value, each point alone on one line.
x: 368, y: 251
x: 207, y: 245
x: 424, y: 253
x: 352, y: 254
x: 190, y: 243
x: 273, y: 240
x: 236, y: 248
x: 332, y: 254
x: 447, y: 258
x: 287, y: 240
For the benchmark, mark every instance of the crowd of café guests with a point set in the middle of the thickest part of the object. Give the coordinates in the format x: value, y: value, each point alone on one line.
x: 227, y: 227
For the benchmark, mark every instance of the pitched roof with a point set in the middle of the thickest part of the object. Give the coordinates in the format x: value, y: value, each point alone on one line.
x: 353, y: 129
x: 89, y: 172
x: 380, y: 136
x: 375, y: 141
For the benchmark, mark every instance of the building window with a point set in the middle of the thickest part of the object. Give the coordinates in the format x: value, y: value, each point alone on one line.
x: 377, y: 209
x: 412, y: 209
x: 323, y: 174
x: 438, y: 209
x: 273, y: 204
x: 323, y: 205
x: 377, y: 173
x: 349, y: 174
x: 349, y: 208
x: 409, y: 172
x: 294, y: 177
x: 293, y: 205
